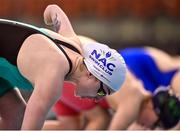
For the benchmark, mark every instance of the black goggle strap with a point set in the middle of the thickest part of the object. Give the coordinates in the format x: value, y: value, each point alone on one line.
x: 101, y: 91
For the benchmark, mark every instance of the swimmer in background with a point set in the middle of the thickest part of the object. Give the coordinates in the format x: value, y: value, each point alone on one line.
x: 150, y: 88
x: 141, y: 92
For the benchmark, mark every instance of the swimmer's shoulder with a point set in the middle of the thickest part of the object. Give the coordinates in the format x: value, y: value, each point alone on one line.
x: 39, y: 56
x: 74, y: 41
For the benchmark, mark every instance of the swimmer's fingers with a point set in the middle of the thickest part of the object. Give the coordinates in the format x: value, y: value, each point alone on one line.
x: 47, y: 16
x: 48, y: 22
x: 55, y: 16
x: 56, y: 23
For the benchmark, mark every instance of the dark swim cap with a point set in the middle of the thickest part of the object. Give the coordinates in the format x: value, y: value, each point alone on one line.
x: 167, y: 107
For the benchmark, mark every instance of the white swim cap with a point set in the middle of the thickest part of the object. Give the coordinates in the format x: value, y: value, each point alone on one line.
x: 105, y: 64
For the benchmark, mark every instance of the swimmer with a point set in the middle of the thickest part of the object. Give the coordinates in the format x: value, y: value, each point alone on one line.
x: 40, y: 59
x: 150, y: 93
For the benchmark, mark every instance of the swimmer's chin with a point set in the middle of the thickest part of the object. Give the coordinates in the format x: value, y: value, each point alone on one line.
x: 86, y: 97
x: 76, y: 95
x: 82, y: 97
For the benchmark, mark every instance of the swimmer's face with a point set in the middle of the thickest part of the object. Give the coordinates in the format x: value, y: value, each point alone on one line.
x: 147, y: 116
x: 91, y: 88
x: 88, y: 86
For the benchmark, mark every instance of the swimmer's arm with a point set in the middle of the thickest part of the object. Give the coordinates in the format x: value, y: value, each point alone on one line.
x: 126, y: 113
x: 61, y: 123
x: 131, y: 96
x: 70, y: 115
x: 47, y: 91
x: 54, y: 15
x: 175, y: 84
x: 98, y: 118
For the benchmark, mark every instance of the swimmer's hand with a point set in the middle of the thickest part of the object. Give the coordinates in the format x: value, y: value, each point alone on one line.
x: 52, y: 17
x: 56, y: 23
x: 55, y: 16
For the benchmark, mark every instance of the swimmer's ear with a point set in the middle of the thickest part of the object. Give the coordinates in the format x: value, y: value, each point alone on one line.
x: 89, y: 75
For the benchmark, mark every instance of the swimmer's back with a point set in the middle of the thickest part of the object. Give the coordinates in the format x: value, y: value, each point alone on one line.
x: 31, y: 48
x: 144, y: 67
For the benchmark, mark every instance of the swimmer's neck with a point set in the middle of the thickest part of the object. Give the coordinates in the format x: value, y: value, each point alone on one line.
x: 75, y: 73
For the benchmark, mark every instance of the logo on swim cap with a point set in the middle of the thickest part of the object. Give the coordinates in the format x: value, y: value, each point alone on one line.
x: 103, y: 60
x: 106, y: 64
